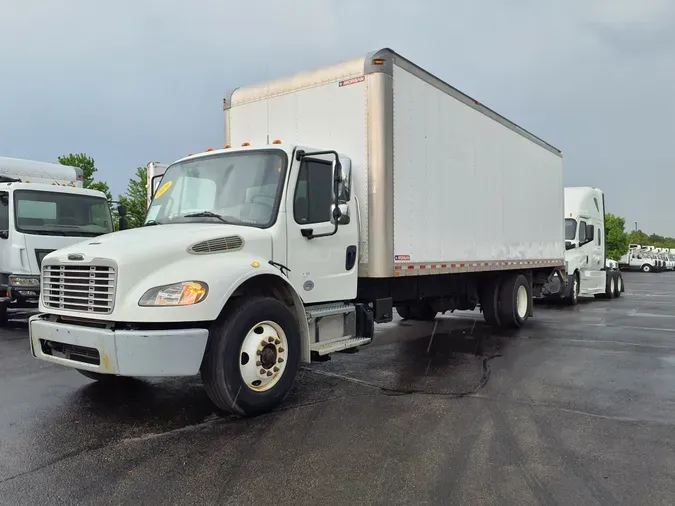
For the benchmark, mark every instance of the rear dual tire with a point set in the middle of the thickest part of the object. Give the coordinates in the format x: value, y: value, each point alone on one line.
x: 507, y: 301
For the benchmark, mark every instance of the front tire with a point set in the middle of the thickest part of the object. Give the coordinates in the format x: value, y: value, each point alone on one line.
x: 646, y: 268
x: 572, y: 297
x: 252, y: 356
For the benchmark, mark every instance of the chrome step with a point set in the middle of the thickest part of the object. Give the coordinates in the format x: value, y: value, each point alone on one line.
x: 339, y: 345
x: 315, y: 312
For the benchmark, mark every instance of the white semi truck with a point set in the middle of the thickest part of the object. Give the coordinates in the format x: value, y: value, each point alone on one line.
x: 43, y: 207
x: 342, y: 194
x: 588, y: 270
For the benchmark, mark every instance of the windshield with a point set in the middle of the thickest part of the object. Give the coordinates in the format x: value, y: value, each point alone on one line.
x: 243, y: 188
x: 570, y: 229
x: 59, y: 213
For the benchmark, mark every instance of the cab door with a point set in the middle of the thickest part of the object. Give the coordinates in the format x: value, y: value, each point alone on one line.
x: 590, y: 250
x: 323, y: 260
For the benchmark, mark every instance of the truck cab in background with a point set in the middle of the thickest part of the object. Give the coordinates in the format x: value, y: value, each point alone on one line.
x: 588, y: 270
x: 43, y: 207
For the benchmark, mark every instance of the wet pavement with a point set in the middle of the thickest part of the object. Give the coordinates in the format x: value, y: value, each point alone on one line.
x: 578, y: 408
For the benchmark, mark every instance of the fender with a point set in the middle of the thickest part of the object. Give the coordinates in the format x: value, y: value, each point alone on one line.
x: 265, y: 270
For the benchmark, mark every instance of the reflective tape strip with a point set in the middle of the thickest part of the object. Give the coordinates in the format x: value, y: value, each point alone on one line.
x: 417, y: 269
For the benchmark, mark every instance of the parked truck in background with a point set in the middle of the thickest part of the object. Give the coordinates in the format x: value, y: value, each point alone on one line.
x: 639, y: 258
x: 43, y: 207
x: 342, y: 193
x: 588, y: 270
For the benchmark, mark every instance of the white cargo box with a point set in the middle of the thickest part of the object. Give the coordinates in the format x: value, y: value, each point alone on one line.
x: 31, y: 171
x: 444, y: 184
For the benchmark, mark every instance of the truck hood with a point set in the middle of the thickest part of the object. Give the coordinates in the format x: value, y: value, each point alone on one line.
x: 156, y: 245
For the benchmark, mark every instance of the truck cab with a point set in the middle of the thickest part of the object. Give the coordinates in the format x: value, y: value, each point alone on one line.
x: 639, y: 258
x: 585, y: 256
x: 38, y: 215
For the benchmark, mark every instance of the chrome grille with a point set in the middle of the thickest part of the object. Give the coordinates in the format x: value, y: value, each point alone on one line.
x: 81, y: 288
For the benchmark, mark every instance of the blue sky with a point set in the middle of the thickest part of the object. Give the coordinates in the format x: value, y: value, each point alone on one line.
x: 130, y: 82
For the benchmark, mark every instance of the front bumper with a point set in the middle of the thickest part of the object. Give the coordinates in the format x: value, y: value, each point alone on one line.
x: 144, y: 353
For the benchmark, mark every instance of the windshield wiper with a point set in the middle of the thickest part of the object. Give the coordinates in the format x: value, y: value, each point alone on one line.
x: 149, y: 223
x: 209, y: 214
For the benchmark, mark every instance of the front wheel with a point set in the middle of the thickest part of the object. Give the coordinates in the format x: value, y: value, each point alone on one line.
x: 646, y: 268
x: 573, y: 289
x: 252, y: 356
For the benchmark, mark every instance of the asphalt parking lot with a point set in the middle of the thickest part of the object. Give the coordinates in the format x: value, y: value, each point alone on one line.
x: 578, y: 408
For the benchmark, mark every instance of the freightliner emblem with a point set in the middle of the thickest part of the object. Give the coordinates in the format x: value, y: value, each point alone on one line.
x: 75, y: 256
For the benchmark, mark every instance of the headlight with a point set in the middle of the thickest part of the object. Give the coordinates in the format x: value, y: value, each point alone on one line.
x: 185, y: 293
x: 24, y: 281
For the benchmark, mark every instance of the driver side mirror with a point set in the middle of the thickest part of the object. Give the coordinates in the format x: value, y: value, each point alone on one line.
x: 340, y: 214
x: 122, y: 210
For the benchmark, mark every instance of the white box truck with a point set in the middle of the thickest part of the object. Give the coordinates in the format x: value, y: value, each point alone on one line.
x: 43, y: 207
x: 342, y: 193
x: 588, y: 270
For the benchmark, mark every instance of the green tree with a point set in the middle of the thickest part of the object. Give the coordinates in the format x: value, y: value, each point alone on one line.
x: 616, y: 241
x: 638, y: 237
x: 135, y: 198
x: 88, y: 166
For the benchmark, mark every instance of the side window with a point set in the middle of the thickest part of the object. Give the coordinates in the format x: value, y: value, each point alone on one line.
x: 99, y: 214
x: 4, y: 211
x: 313, y: 192
x: 599, y: 232
x: 582, y: 232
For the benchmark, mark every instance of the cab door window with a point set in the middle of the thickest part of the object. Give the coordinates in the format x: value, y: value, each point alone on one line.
x: 313, y: 192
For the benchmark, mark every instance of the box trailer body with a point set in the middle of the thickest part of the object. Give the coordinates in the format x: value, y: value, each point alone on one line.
x: 341, y: 194
x: 444, y: 184
x: 43, y: 207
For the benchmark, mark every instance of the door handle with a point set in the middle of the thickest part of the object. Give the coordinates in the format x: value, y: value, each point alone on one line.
x: 350, y: 258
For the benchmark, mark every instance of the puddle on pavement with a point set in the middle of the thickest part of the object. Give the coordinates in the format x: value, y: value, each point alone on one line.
x: 452, y: 362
